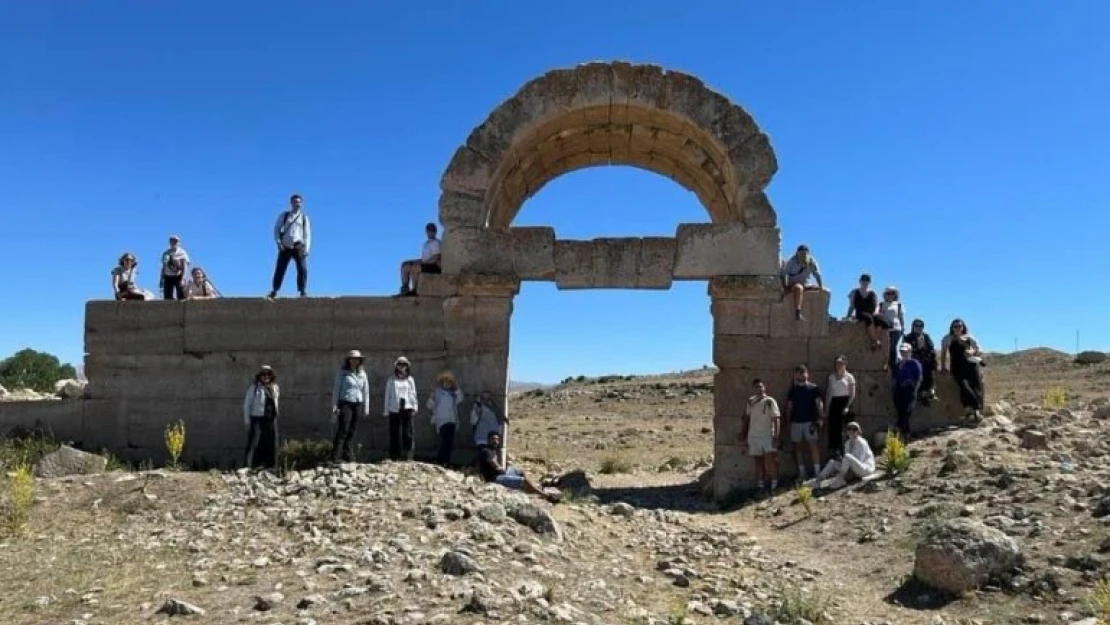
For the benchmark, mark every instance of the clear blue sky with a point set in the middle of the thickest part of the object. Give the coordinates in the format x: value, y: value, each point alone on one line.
x: 956, y: 149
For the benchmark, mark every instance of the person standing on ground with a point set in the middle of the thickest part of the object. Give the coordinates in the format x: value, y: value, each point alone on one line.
x: 428, y: 262
x: 907, y: 384
x: 804, y: 407
x: 444, y: 406
x: 892, y: 316
x: 863, y: 306
x: 293, y: 235
x: 840, y: 396
x: 795, y: 276
x: 925, y: 353
x: 760, y: 436
x: 400, y: 406
x: 175, y: 262
x: 961, y: 349
x: 350, y: 400
x: 260, y: 413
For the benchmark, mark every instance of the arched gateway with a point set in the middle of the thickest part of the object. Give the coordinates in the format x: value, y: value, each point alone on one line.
x: 670, y: 123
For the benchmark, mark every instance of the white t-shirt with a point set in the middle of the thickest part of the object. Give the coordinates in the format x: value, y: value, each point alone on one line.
x: 431, y: 248
x: 762, y: 412
x: 839, y: 387
x: 890, y: 312
x: 173, y: 261
x: 204, y: 289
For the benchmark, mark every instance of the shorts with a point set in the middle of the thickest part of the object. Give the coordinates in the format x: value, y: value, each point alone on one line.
x: 512, y: 478
x: 429, y: 268
x: 760, y: 445
x: 808, y: 432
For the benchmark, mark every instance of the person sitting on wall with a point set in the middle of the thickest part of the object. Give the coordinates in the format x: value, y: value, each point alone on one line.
x: 350, y: 401
x: 444, y: 406
x: 492, y: 470
x: 924, y: 352
x: 795, y: 276
x: 486, y: 417
x: 863, y: 306
x: 260, y: 414
x: 175, y: 263
x: 858, y: 461
x: 804, y: 407
x: 400, y: 406
x: 200, y: 287
x: 759, y: 436
x: 293, y: 236
x: 427, y: 263
x: 907, y: 383
x: 123, y: 280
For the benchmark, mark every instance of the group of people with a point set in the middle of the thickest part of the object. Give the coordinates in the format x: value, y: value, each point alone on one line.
x: 350, y: 404
x: 292, y: 234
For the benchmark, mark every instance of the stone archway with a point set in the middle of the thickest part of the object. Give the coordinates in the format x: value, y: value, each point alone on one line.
x: 664, y: 121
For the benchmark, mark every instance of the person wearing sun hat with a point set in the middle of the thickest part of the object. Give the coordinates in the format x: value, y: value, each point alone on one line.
x: 444, y: 406
x: 261, y: 407
x: 350, y: 402
x: 400, y: 406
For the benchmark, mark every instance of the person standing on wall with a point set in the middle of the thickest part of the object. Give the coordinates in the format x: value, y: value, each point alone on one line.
x: 350, y: 401
x: 261, y: 407
x: 428, y: 262
x: 293, y: 235
x: 175, y: 262
x: 400, y: 406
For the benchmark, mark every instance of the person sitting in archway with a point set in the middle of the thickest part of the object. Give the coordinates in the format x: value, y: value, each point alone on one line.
x: 858, y: 461
x: 795, y: 276
x: 492, y: 470
x: 863, y: 306
x: 427, y: 263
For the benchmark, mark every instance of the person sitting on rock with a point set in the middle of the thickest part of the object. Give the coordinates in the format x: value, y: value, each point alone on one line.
x: 124, y: 275
x: 486, y: 417
x: 759, y: 436
x: 260, y: 413
x: 907, y: 384
x: 840, y: 396
x: 804, y: 407
x: 863, y: 306
x: 925, y: 353
x: 858, y: 461
x: 175, y: 263
x: 961, y: 349
x: 200, y: 287
x: 795, y: 274
x: 892, y: 317
x: 444, y: 406
x: 493, y: 470
x: 350, y: 403
x: 400, y: 406
x: 427, y: 263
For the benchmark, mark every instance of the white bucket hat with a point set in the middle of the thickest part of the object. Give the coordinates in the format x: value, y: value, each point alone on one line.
x: 354, y: 353
x: 402, y: 361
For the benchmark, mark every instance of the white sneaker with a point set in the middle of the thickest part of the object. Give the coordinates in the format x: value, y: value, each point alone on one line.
x: 838, y: 482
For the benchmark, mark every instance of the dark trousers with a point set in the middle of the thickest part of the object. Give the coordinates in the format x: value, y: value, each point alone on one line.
x: 905, y: 399
x: 400, y: 435
x: 928, y: 378
x: 892, y: 357
x: 262, y: 443
x: 837, y: 421
x: 350, y: 413
x: 969, y: 379
x: 446, y: 443
x: 296, y: 255
x: 173, y: 285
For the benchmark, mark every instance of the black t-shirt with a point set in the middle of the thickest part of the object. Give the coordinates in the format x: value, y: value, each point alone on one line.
x: 864, y: 304
x: 488, y: 463
x: 803, y: 402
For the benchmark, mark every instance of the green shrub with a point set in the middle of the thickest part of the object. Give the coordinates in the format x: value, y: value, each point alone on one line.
x: 299, y: 455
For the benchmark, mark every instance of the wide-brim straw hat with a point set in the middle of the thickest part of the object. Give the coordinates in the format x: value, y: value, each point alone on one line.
x: 446, y: 376
x: 354, y: 353
x: 402, y: 361
x: 266, y: 369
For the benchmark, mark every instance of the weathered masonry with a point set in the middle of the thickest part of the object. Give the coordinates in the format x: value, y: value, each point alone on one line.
x: 153, y: 363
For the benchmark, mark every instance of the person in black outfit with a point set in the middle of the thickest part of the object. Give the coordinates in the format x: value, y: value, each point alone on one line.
x: 491, y: 469
x: 960, y: 350
x: 925, y: 353
x: 260, y: 414
x: 863, y: 306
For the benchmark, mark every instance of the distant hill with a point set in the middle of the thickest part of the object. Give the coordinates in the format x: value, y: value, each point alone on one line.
x: 524, y: 387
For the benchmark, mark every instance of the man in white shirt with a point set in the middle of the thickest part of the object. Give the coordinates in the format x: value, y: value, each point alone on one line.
x: 428, y: 262
x: 795, y: 275
x: 293, y: 236
x: 760, y: 436
x: 174, y: 263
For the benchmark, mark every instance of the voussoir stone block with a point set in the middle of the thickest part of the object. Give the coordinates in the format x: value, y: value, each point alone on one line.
x: 614, y: 263
x: 460, y: 210
x: 726, y: 249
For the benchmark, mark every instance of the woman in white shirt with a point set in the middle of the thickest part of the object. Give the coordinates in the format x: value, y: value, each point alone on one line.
x: 444, y: 405
x: 400, y: 406
x: 124, y: 275
x: 858, y: 461
x: 840, y: 396
x: 892, y: 316
x: 200, y: 287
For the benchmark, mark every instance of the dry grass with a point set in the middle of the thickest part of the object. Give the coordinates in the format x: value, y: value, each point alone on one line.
x: 19, y: 497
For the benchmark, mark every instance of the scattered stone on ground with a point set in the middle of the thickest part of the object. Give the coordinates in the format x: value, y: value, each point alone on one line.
x: 69, y: 461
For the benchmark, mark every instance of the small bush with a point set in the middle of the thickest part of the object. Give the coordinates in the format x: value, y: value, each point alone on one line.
x: 795, y: 606
x: 19, y: 491
x: 1100, y: 602
x: 896, y: 457
x: 1055, y: 398
x: 175, y: 442
x: 24, y: 450
x: 300, y: 455
x: 612, y: 466
x: 805, y: 497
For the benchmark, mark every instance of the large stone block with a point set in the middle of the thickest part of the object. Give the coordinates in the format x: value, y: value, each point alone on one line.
x: 764, y: 288
x: 461, y: 210
x: 142, y: 376
x: 656, y: 269
x: 476, y: 323
x: 438, y: 285
x: 759, y: 352
x: 104, y: 424
x: 256, y: 324
x: 727, y: 249
x: 480, y: 371
x: 156, y: 327
x: 614, y: 263
x: 485, y: 285
x: 876, y: 396
x: 62, y: 419
x: 815, y: 310
x: 402, y: 324
x: 733, y: 387
x: 851, y: 341
x: 741, y: 316
x: 527, y: 252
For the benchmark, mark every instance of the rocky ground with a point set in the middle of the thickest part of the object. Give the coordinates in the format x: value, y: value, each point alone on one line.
x: 1019, y: 506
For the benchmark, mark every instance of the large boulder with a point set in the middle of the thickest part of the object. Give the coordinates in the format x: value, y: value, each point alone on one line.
x: 962, y: 554
x: 69, y: 461
x: 69, y: 389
